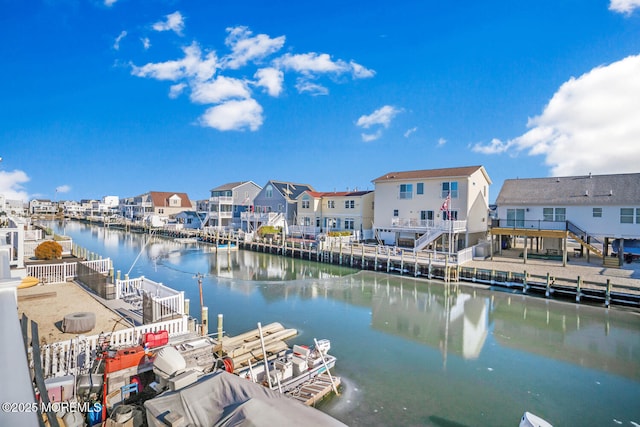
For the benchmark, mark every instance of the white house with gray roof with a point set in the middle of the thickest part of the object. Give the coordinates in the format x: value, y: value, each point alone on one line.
x: 592, y: 209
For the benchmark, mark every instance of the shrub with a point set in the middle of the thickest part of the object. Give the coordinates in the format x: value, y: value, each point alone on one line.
x: 338, y: 233
x: 49, y: 250
x: 268, y: 231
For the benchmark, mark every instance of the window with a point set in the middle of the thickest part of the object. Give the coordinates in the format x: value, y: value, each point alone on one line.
x: 307, y: 220
x: 318, y: 222
x: 450, y: 188
x: 554, y: 214
x: 349, y: 223
x: 426, y: 215
x: 452, y: 215
x: 395, y: 212
x: 406, y: 191
x: 349, y: 204
x: 597, y: 212
x: 561, y: 214
x: 626, y: 216
x: 515, y: 217
x: 420, y: 188
x: 268, y: 191
x: 547, y: 214
x: 305, y: 204
x: 331, y: 204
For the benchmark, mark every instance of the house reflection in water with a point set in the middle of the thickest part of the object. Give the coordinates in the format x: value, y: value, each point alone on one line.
x: 454, y: 321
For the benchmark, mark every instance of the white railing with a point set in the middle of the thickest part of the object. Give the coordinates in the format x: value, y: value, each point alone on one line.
x: 227, y: 200
x: 59, y: 273
x: 78, y: 355
x: 166, y: 301
x: 31, y: 245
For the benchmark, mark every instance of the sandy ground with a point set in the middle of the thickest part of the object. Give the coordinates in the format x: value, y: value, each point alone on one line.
x: 48, y: 304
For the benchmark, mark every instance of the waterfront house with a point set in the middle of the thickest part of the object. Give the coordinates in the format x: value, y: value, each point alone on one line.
x: 275, y: 205
x: 594, y: 210
x: 155, y: 203
x: 191, y: 220
x: 42, y: 207
x: 420, y: 208
x: 228, y: 201
x: 323, y: 212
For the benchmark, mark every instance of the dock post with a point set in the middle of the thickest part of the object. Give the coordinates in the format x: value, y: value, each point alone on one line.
x: 351, y: 246
x: 187, y: 307
x: 607, y: 298
x: 401, y: 262
x: 388, y: 260
x: 220, y: 332
x: 548, y: 290
x: 578, y: 289
x: 375, y: 260
x: 429, y: 267
x: 525, y: 286
x: 362, y: 259
x: 205, y: 321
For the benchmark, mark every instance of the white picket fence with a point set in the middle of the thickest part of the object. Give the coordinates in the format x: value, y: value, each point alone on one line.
x: 78, y: 355
x: 59, y: 273
x: 166, y: 302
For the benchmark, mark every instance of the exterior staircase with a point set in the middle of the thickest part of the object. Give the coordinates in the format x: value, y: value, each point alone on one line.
x: 581, y: 237
x: 427, y: 238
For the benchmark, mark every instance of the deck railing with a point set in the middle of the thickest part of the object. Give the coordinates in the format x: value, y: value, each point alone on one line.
x: 59, y: 273
x: 77, y: 355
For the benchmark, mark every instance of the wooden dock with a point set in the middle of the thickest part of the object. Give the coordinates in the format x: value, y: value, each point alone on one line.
x: 315, y: 389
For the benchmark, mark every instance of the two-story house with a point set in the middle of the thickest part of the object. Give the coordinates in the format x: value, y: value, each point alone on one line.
x: 155, y: 203
x: 322, y: 212
x: 600, y: 212
x: 275, y: 204
x: 446, y: 207
x: 43, y: 207
x: 228, y: 201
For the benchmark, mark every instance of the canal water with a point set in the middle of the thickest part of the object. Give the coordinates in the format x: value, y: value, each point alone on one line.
x: 410, y: 352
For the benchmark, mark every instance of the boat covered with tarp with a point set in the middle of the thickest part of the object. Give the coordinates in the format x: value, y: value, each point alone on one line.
x: 224, y: 399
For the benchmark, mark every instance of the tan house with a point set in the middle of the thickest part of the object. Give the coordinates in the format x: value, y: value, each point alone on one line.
x: 322, y: 212
x: 155, y: 203
x: 422, y: 208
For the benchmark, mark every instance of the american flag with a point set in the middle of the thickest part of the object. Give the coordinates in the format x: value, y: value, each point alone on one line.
x: 447, y: 202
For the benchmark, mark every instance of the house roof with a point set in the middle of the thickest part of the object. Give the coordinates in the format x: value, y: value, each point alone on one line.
x: 231, y: 186
x: 192, y: 214
x: 463, y: 171
x: 161, y: 198
x: 291, y: 190
x: 586, y: 190
x: 338, y: 193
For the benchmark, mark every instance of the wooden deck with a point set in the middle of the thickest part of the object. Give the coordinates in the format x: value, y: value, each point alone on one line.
x: 315, y: 389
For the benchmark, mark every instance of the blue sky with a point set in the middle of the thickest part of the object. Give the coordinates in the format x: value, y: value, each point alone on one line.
x: 121, y: 97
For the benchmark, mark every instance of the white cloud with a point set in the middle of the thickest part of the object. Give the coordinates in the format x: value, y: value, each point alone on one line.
x: 382, y: 116
x: 321, y: 63
x: 116, y: 44
x: 110, y: 3
x: 234, y: 115
x: 63, y: 189
x: 173, y: 22
x: 176, y: 90
x: 305, y: 86
x: 360, y: 72
x: 368, y: 137
x: 271, y: 79
x: 441, y: 142
x: 219, y: 90
x: 245, y: 48
x: 624, y: 6
x: 408, y: 133
x: 146, y: 43
x: 590, y: 124
x: 203, y: 74
x: 11, y: 185
x: 193, y: 65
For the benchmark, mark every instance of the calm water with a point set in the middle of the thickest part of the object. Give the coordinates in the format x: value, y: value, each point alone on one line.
x: 409, y: 353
